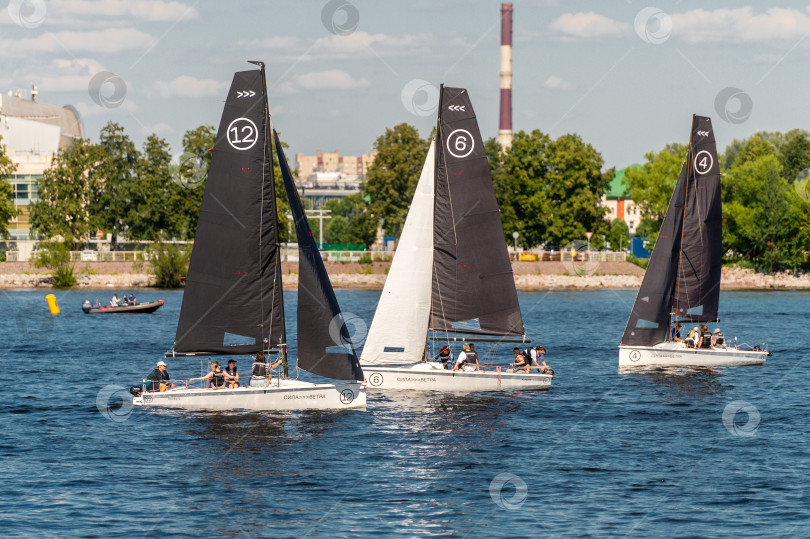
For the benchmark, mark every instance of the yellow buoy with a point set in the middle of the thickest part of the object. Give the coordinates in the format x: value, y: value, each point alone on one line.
x: 54, y: 308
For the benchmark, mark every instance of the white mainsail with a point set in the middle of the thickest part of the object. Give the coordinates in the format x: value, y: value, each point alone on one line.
x: 398, y: 331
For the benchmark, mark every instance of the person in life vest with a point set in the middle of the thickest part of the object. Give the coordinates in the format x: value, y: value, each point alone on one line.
x: 718, y: 339
x: 542, y: 366
x: 521, y: 363
x: 216, y: 377
x: 445, y: 355
x: 158, y: 379
x: 705, y: 337
x: 693, y: 337
x: 467, y: 360
x: 233, y: 373
x: 260, y: 373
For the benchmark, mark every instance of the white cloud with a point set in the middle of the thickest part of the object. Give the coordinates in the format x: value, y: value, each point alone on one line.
x: 352, y: 46
x: 187, y: 86
x: 589, y: 26
x: 556, y: 83
x: 333, y: 79
x: 91, y: 110
x: 159, y: 129
x: 89, y: 12
x: 108, y: 41
x: 740, y: 25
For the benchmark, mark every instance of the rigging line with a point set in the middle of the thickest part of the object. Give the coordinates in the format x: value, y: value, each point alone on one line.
x: 683, y: 224
x: 261, y: 223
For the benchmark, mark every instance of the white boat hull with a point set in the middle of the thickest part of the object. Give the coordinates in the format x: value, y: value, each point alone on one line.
x: 433, y: 377
x: 286, y: 395
x: 678, y: 355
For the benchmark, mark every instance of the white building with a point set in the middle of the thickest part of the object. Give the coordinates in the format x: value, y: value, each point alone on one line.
x: 33, y: 133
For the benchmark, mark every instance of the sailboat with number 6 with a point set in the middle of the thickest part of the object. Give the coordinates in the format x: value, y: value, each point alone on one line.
x: 451, y: 280
x: 682, y: 281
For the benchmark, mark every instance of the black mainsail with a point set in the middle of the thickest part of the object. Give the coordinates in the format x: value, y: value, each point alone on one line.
x: 324, y: 345
x: 233, y: 296
x: 473, y: 284
x: 683, y: 276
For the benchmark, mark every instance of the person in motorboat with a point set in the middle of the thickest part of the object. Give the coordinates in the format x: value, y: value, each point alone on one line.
x: 216, y: 377
x: 115, y: 301
x: 132, y: 299
x: 158, y: 379
x: 233, y: 373
x: 467, y: 360
x: 124, y: 300
x: 718, y: 340
x: 261, y: 374
x: 445, y: 355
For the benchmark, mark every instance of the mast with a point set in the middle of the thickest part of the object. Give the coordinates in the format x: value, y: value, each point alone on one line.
x: 278, y: 288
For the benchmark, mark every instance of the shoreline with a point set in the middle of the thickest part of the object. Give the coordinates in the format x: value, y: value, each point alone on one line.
x: 529, y: 276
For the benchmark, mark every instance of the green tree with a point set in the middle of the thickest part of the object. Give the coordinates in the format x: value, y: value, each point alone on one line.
x: 352, y: 220
x: 63, y: 191
x: 150, y: 211
x: 169, y: 263
x: 651, y: 185
x: 392, y: 178
x: 55, y: 255
x: 795, y: 154
x: 619, y: 235
x: 113, y: 185
x: 762, y: 213
x: 550, y: 190
x: 7, y: 209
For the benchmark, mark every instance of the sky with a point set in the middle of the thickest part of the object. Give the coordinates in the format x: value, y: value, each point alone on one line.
x: 624, y: 75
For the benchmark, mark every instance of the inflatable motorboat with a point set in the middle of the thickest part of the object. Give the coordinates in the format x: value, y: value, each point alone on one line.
x: 148, y: 307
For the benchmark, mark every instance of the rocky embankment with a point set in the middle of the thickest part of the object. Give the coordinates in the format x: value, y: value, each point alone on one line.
x: 528, y: 276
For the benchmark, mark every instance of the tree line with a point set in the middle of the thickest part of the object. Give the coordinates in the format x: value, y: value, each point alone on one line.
x: 549, y: 191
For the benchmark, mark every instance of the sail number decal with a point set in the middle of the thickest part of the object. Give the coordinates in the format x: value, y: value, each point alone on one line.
x: 703, y: 162
x: 460, y: 143
x: 242, y: 134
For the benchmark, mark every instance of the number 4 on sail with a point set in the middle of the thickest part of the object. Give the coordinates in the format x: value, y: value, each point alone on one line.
x: 682, y: 282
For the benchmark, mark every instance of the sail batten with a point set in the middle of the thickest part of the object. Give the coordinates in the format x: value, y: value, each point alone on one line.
x: 472, y: 273
x: 324, y: 345
x: 230, y: 287
x: 683, y: 276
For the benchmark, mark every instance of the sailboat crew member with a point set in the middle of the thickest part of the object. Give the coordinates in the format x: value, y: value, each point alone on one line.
x: 445, y: 355
x: 260, y: 373
x: 467, y: 360
x: 231, y: 371
x: 158, y: 379
x: 217, y: 376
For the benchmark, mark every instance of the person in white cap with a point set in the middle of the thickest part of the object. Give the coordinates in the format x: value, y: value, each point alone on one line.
x: 159, y: 378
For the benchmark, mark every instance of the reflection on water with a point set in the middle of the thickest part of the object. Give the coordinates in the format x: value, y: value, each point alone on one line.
x: 684, y: 383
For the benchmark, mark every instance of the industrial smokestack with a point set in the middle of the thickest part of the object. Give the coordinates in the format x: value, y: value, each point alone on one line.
x: 505, y: 124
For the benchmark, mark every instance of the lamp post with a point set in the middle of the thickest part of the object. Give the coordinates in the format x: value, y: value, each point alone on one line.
x: 516, y: 235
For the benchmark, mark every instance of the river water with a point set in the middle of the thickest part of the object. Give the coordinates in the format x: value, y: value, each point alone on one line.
x: 700, y: 453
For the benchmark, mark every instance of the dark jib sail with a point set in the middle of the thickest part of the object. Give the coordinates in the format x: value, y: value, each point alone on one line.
x: 231, y: 295
x: 683, y: 276
x: 324, y: 345
x: 473, y: 285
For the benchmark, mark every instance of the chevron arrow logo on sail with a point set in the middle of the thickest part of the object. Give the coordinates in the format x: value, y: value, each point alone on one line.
x: 249, y: 93
x: 703, y: 133
x: 457, y: 108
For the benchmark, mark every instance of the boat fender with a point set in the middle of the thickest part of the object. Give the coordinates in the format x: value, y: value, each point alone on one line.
x: 86, y: 306
x: 136, y: 390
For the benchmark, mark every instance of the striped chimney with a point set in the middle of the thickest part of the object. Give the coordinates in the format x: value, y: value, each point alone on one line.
x: 505, y: 124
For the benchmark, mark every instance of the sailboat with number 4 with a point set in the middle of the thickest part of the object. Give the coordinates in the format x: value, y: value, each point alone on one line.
x: 233, y: 302
x: 682, y: 281
x: 451, y: 280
